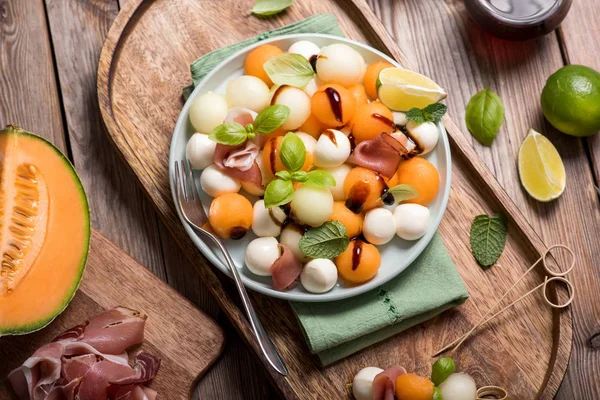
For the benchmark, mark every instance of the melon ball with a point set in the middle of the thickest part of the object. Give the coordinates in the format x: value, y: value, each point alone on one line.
x: 341, y: 64
x: 459, y: 386
x: 290, y: 236
x: 333, y: 105
x: 332, y: 149
x: 412, y: 220
x: 312, y: 86
x: 230, y: 215
x: 362, y: 385
x: 215, y: 182
x: 261, y: 253
x: 399, y: 118
x: 248, y: 92
x: 359, y: 263
x: 200, y: 150
x: 309, y: 142
x: 256, y: 59
x: 339, y: 174
x: 305, y: 48
x: 208, y: 111
x: 319, y: 275
x: 312, y: 206
x: 351, y: 221
x: 297, y: 101
x: 379, y: 226
x: 425, y: 135
x: 267, y: 221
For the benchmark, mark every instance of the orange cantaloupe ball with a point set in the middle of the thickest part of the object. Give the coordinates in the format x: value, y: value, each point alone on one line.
x: 277, y: 132
x: 363, y: 189
x: 423, y: 176
x: 353, y: 222
x: 414, y: 387
x: 272, y: 161
x: 369, y: 121
x: 391, y: 182
x: 322, y: 108
x: 230, y: 215
x: 254, y: 64
x: 359, y: 93
x: 313, y: 127
x: 359, y: 263
x: 371, y: 75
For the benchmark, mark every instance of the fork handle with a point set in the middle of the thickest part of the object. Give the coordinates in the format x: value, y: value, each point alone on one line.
x: 267, y: 347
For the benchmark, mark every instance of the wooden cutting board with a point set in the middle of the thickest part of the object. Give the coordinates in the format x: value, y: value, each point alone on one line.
x: 185, y: 339
x: 143, y: 67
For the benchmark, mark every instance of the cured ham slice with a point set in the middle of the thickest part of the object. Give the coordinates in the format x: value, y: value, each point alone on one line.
x: 384, y: 384
x: 286, y: 269
x: 382, y: 154
x: 240, y: 157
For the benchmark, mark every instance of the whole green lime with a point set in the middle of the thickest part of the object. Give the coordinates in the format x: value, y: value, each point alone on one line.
x: 571, y: 100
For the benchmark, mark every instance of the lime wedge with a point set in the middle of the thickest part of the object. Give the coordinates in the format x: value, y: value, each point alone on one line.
x: 401, y: 89
x: 541, y: 169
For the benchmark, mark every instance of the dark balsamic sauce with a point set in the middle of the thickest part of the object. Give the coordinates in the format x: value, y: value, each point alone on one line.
x: 273, y: 155
x: 352, y: 140
x: 335, y: 101
x: 331, y: 135
x: 384, y: 119
x: 360, y: 191
x: 356, y: 253
x: 313, y: 61
x: 238, y: 232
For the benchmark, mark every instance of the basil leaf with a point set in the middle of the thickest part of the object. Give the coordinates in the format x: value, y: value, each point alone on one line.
x: 484, y: 116
x: 319, y: 179
x: 270, y: 7
x: 278, y: 193
x: 437, y: 394
x: 285, y: 175
x: 299, y: 176
x: 442, y: 369
x: 488, y: 237
x: 271, y: 118
x: 326, y: 241
x: 403, y: 192
x: 292, y: 152
x: 289, y: 69
x: 230, y: 133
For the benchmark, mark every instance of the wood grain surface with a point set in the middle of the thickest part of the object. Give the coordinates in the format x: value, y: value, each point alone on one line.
x: 185, y: 339
x: 140, y: 113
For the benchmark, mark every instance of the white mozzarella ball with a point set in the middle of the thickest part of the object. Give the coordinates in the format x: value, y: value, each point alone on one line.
x: 379, y: 226
x: 309, y: 142
x: 399, y: 118
x: 207, y: 111
x: 215, y: 182
x: 311, y: 87
x: 340, y: 63
x: 297, y: 101
x: 362, y: 384
x: 200, y: 150
x: 425, y: 135
x: 267, y: 221
x: 339, y: 174
x: 459, y: 386
x: 412, y: 220
x: 312, y: 206
x: 248, y: 92
x: 261, y: 253
x: 290, y: 236
x: 305, y: 48
x: 333, y: 149
x: 319, y: 275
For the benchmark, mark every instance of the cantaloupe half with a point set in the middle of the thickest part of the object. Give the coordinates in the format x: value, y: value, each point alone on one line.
x: 44, y: 232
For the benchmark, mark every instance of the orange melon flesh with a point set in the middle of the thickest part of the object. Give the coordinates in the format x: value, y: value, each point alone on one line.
x: 44, y: 232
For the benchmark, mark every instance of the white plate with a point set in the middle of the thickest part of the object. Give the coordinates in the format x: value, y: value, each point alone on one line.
x: 396, y: 255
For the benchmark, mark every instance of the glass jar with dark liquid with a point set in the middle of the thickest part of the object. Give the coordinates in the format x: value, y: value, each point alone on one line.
x: 518, y: 19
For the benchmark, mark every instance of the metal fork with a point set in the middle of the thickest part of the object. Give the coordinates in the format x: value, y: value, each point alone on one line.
x: 193, y: 212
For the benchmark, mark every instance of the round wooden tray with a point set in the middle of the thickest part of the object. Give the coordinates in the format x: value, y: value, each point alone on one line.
x: 143, y: 67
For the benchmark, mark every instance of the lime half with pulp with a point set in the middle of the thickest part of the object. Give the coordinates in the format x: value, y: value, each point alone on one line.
x: 401, y: 89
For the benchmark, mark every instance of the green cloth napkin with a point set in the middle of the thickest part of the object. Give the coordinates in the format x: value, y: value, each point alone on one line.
x: 429, y: 286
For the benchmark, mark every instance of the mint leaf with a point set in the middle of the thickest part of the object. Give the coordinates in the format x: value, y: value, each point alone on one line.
x: 271, y: 118
x: 230, y: 133
x: 326, y: 241
x: 319, y: 179
x: 289, y: 69
x: 403, y: 192
x: 488, y: 236
x: 265, y: 8
x: 441, y: 370
x: 299, y: 176
x: 278, y: 193
x: 484, y: 115
x: 432, y: 113
x: 285, y: 175
x: 416, y: 115
x: 292, y: 152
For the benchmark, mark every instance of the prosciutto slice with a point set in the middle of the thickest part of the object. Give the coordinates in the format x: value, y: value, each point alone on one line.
x: 286, y: 269
x: 384, y: 384
x: 382, y: 154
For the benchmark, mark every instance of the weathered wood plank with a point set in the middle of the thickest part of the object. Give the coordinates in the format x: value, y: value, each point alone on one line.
x: 464, y: 59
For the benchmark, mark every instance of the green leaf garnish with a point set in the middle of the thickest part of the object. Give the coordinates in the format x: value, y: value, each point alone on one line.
x: 265, y: 8
x: 326, y: 241
x: 299, y: 176
x: 292, y: 152
x: 488, y: 236
x: 437, y: 394
x: 484, y: 115
x: 319, y: 179
x: 441, y: 370
x: 278, y: 193
x: 432, y: 113
x: 271, y: 118
x: 403, y: 192
x: 285, y: 175
x: 230, y: 133
x: 289, y: 69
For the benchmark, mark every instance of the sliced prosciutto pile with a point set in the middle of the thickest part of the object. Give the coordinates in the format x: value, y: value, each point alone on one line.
x: 90, y: 362
x: 383, y: 154
x: 384, y: 384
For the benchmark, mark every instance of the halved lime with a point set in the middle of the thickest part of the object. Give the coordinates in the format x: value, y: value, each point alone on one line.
x: 401, y: 89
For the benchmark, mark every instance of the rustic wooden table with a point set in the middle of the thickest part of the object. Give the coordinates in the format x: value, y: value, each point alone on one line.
x: 49, y: 51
